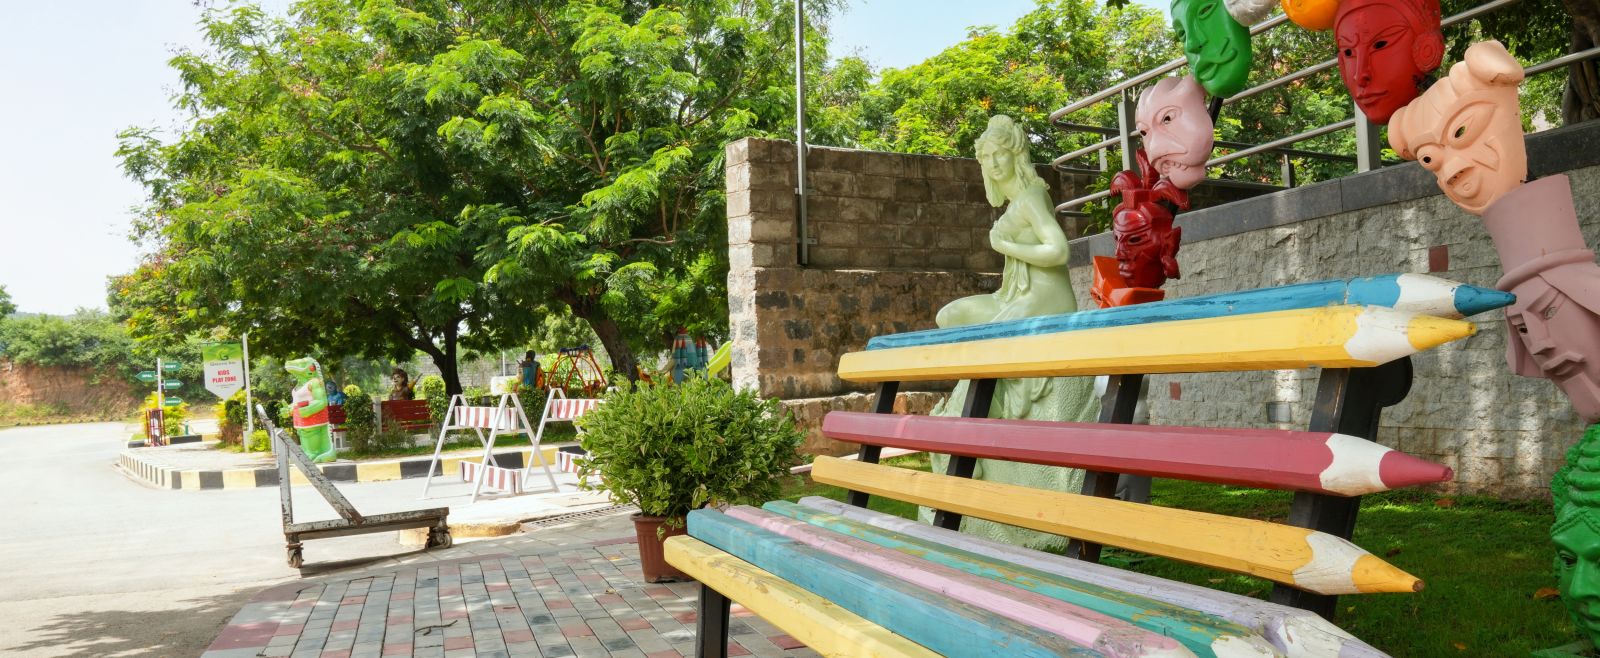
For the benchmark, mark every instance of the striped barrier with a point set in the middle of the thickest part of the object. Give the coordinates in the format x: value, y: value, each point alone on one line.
x: 509, y: 479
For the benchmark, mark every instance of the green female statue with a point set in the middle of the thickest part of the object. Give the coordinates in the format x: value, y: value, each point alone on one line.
x: 1034, y: 282
x: 1576, y: 533
x: 311, y: 409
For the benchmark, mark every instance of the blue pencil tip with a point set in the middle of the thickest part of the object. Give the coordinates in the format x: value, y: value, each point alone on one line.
x: 1472, y: 300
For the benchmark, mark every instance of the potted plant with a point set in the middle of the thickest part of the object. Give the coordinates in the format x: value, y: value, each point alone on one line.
x: 673, y: 448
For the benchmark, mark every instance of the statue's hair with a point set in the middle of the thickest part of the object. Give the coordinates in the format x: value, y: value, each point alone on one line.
x: 1004, y: 134
x: 1577, y: 485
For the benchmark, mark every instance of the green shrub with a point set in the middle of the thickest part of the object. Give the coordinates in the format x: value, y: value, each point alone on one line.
x: 431, y: 388
x: 260, y: 441
x: 360, y: 424
x: 670, y: 449
x: 231, y: 426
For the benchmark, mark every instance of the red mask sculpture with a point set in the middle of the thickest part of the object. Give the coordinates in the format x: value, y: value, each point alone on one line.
x: 1147, y: 242
x: 1386, y: 48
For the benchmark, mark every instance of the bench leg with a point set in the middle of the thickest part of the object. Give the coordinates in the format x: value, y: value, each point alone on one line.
x: 712, y: 639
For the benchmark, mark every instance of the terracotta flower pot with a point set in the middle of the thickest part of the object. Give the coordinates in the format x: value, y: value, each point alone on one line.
x: 651, y: 557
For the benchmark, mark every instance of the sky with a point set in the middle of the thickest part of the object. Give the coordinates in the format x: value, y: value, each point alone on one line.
x: 77, y: 73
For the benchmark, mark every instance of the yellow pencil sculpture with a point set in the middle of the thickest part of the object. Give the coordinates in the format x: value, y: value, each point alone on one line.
x: 1310, y: 560
x: 1331, y: 337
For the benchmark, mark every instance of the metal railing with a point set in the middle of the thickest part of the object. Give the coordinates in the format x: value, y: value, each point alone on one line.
x: 1368, y: 148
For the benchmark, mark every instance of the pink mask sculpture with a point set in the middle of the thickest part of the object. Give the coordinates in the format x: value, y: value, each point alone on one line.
x: 1177, y: 130
x: 1467, y: 128
x: 1386, y: 48
x: 1147, y: 242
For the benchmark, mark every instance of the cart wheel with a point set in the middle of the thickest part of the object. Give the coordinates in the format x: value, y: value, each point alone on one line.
x: 296, y: 557
x: 440, y: 538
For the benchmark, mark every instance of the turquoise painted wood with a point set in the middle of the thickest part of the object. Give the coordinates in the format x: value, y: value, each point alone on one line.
x: 1417, y: 293
x: 925, y: 617
x: 1196, y: 630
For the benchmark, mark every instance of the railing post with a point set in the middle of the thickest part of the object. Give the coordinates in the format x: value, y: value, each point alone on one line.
x: 1288, y: 170
x: 1369, y: 150
x: 1125, y: 123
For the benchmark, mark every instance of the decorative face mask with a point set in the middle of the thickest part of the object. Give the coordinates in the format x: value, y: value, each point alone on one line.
x: 1250, y: 12
x: 1217, y: 46
x: 1147, y: 242
x: 1576, y: 534
x: 1386, y: 48
x: 1314, y: 15
x: 1467, y: 128
x: 1177, y: 130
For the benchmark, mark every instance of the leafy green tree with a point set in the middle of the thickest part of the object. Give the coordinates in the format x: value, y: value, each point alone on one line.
x: 379, y: 178
x: 6, y: 306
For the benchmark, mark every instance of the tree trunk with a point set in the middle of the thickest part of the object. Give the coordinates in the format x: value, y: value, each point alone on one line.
x: 623, y: 360
x: 446, y: 362
x: 1582, y: 99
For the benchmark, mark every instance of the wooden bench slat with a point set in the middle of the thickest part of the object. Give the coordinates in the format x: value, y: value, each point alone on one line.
x: 1298, y: 633
x: 1203, y: 634
x: 1313, y: 561
x: 1103, y: 633
x: 824, y: 627
x: 1318, y: 462
x: 947, y: 627
x: 1330, y: 337
x: 1412, y: 293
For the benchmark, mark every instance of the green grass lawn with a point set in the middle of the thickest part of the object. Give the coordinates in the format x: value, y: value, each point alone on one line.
x: 1483, y: 560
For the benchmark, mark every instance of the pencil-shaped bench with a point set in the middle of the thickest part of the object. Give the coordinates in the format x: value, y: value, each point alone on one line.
x: 1363, y: 351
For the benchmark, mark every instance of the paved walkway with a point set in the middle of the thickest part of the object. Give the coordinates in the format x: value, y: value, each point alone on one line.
x: 570, y: 588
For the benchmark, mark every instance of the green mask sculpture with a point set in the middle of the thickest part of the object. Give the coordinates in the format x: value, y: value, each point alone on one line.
x: 311, y: 409
x: 1217, y: 46
x: 1576, y: 533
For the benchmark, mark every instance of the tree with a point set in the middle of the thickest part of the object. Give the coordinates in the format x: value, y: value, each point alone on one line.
x: 381, y: 178
x: 6, y: 306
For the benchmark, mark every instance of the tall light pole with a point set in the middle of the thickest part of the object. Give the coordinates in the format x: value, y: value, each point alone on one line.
x: 800, y: 127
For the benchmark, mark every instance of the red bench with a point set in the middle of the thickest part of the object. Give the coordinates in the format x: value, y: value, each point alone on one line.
x: 412, y: 415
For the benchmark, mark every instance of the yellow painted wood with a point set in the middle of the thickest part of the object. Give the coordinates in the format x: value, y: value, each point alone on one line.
x: 378, y: 472
x: 824, y: 627
x: 239, y: 479
x: 1281, y: 340
x: 1276, y: 552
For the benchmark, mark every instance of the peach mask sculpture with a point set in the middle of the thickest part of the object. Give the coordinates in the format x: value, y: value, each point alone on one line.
x: 1386, y: 49
x: 1467, y: 128
x: 1314, y: 15
x: 1177, y: 130
x: 1216, y: 45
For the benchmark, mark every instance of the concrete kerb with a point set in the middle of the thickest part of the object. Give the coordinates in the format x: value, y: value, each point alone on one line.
x: 139, y: 466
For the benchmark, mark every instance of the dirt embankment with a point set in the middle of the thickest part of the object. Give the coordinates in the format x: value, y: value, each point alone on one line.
x: 32, y: 395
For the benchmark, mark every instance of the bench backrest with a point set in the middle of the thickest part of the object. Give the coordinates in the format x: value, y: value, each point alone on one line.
x: 411, y: 415
x: 1362, y: 348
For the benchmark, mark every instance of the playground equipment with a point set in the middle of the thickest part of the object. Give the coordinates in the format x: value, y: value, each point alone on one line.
x: 576, y: 371
x: 351, y: 522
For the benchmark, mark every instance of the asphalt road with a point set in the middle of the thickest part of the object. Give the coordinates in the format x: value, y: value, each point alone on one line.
x: 93, y: 563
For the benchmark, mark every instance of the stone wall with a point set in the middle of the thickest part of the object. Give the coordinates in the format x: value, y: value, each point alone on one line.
x: 897, y: 237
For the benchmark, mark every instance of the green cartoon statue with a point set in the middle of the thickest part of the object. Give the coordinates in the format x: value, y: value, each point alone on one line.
x: 1217, y: 46
x: 311, y: 409
x: 1576, y: 533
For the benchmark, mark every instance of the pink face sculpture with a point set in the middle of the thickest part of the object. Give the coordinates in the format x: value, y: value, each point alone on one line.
x: 1386, y: 48
x: 1554, y: 325
x: 1147, y: 242
x: 1467, y: 128
x: 1177, y: 130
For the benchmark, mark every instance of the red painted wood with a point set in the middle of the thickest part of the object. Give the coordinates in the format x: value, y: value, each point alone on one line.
x: 1273, y: 459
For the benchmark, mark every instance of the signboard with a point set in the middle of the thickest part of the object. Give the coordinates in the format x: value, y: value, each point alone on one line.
x: 171, y: 366
x: 147, y: 376
x: 171, y: 401
x: 224, y: 368
x: 172, y: 384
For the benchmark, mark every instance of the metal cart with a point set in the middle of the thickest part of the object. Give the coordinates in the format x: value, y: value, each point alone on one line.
x: 351, y: 522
